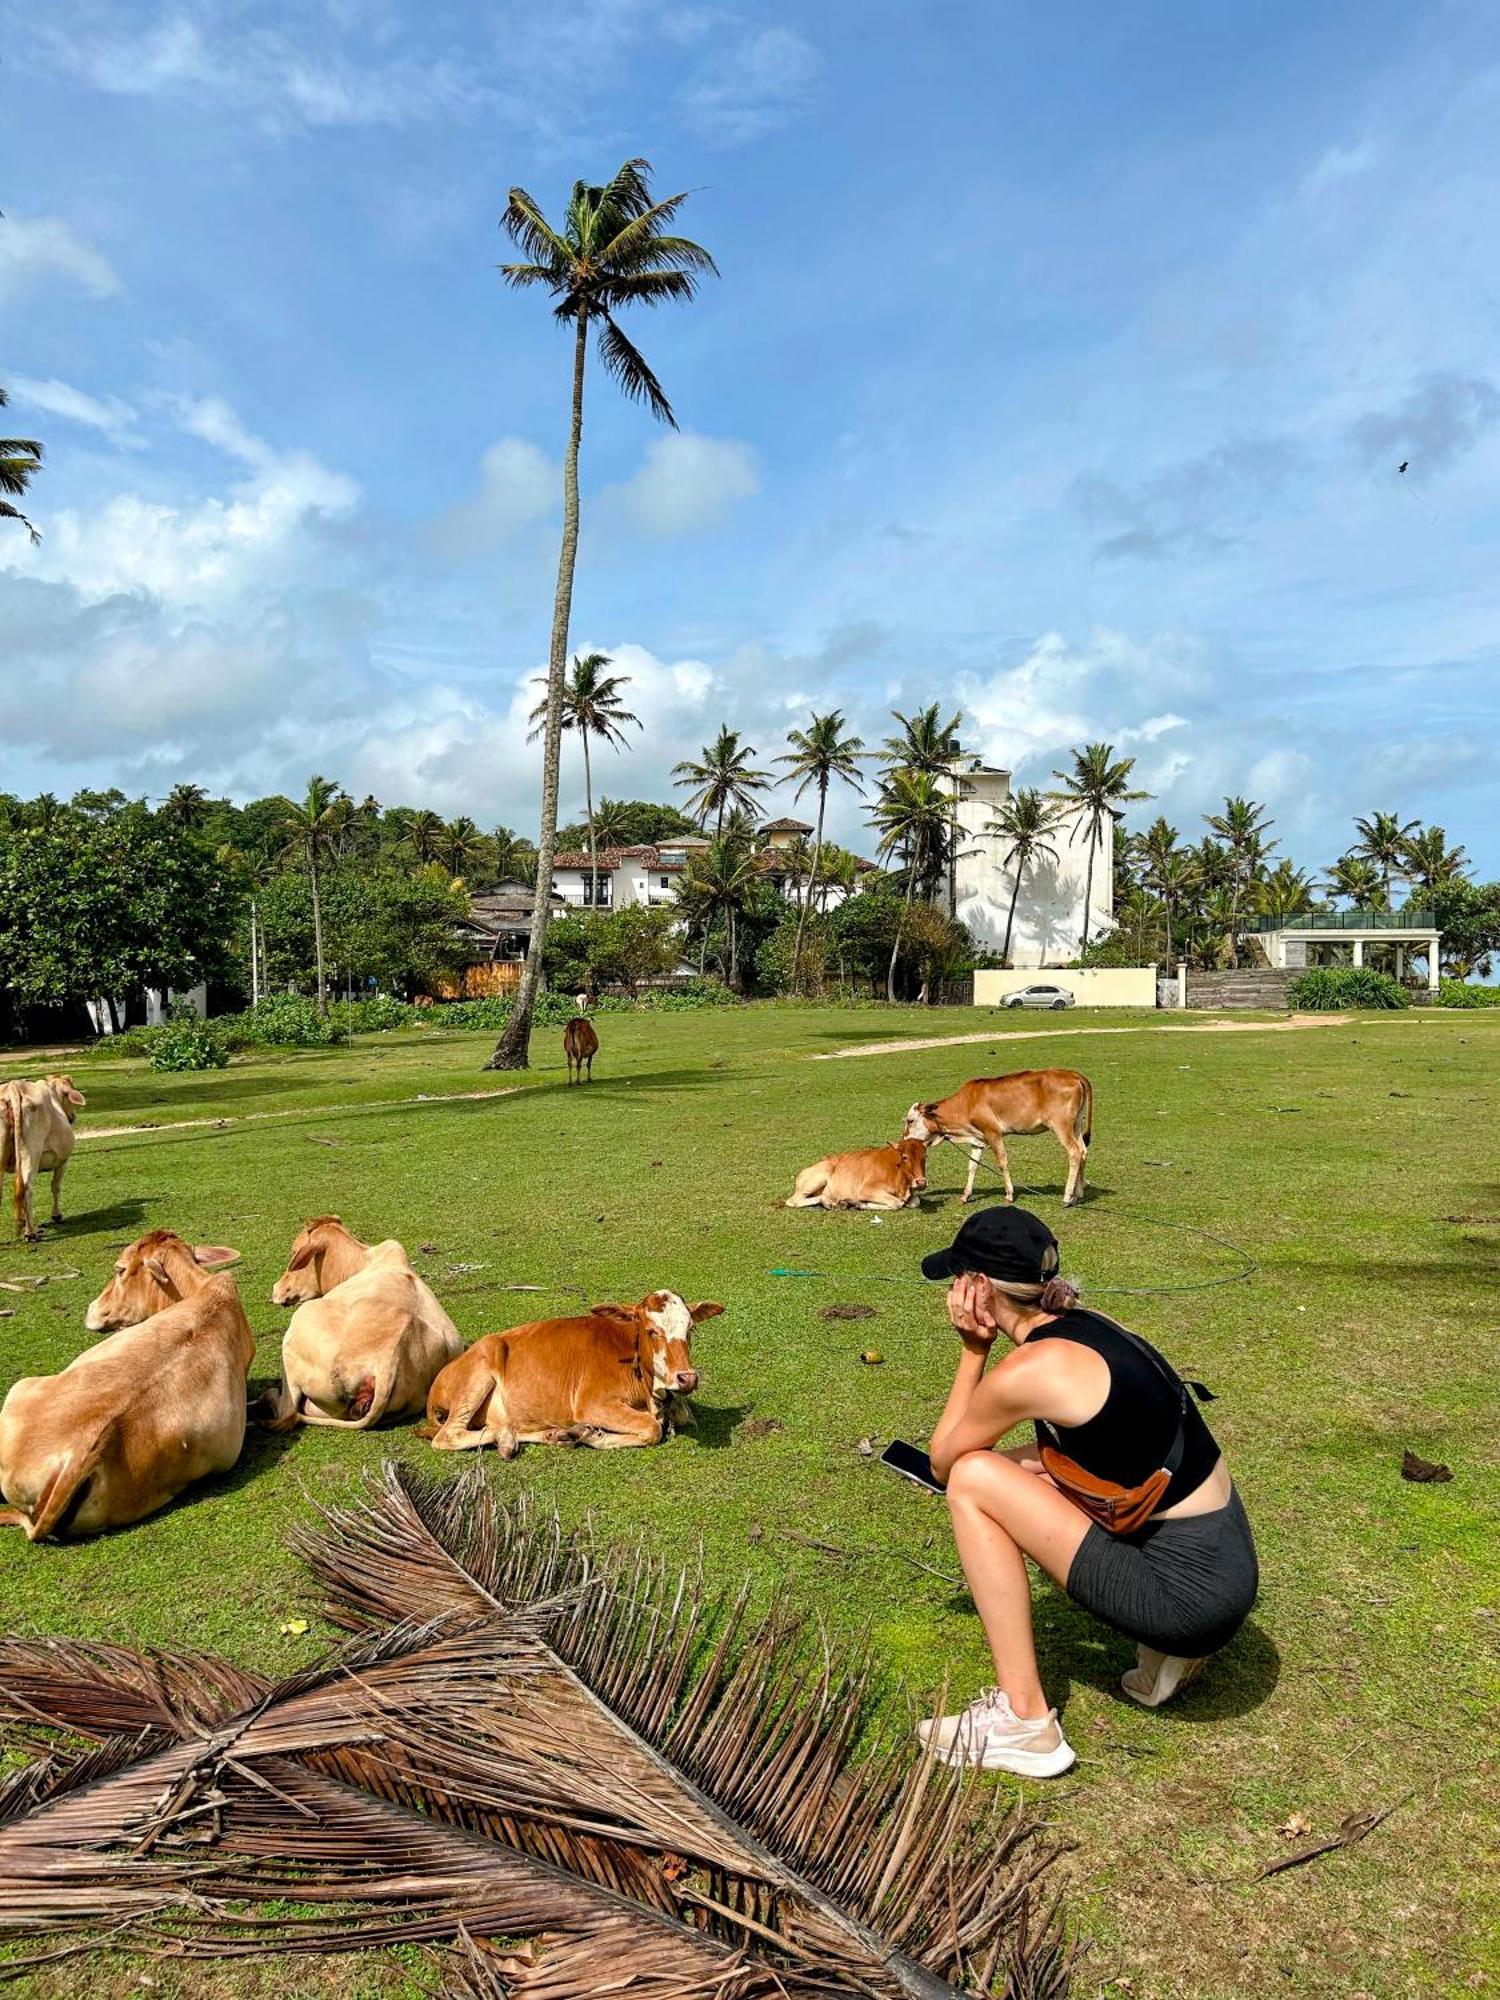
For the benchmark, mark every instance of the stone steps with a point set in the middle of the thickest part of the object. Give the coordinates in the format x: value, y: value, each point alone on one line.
x: 1247, y: 988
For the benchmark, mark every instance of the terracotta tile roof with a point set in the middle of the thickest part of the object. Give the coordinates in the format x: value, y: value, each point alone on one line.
x: 787, y: 826
x: 612, y: 858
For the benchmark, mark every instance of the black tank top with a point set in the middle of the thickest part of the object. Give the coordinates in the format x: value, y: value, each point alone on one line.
x: 1132, y: 1434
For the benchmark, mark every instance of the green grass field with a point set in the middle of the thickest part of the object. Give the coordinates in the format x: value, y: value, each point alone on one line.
x: 1355, y: 1164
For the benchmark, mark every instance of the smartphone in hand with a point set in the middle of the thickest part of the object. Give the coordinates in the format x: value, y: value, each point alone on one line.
x: 911, y: 1464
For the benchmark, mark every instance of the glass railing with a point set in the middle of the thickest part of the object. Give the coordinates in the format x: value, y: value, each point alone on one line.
x: 1412, y: 918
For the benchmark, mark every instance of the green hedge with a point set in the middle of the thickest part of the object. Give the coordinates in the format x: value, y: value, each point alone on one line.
x: 1466, y: 993
x: 1329, y: 989
x: 187, y: 1044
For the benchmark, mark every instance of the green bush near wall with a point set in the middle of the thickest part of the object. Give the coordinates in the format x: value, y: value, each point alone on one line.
x: 1329, y: 989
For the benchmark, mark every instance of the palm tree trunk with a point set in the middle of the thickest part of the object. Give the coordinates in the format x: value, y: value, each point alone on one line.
x: 317, y: 904
x: 588, y: 807
x: 254, y: 959
x: 812, y: 883
x: 513, y: 1047
x: 911, y: 883
x: 1010, y: 915
x: 1088, y: 886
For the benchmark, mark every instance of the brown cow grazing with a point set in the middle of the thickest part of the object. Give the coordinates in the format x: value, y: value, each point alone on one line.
x: 151, y: 1274
x: 36, y: 1137
x: 367, y: 1337
x: 874, y: 1177
x: 607, y: 1379
x: 131, y: 1422
x: 980, y: 1114
x: 580, y: 1044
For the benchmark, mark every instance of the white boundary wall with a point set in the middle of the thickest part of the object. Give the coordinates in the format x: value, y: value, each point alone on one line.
x: 1101, y: 986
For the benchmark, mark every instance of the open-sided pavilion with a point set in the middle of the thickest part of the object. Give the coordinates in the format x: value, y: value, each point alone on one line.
x: 1389, y: 939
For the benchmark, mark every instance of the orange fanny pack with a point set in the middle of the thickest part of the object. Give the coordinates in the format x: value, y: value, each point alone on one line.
x: 1119, y: 1510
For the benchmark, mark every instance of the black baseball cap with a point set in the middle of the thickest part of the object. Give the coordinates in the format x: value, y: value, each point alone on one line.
x: 1000, y: 1242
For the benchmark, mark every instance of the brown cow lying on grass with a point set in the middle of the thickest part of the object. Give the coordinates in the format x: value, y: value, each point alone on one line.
x: 874, y: 1177
x: 154, y: 1272
x: 131, y: 1422
x: 367, y: 1337
x: 979, y: 1114
x: 607, y: 1378
x: 36, y: 1137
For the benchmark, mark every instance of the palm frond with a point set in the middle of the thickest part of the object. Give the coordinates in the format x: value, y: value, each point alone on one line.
x: 533, y: 274
x: 525, y: 224
x: 644, y: 288
x: 631, y: 370
x: 883, y: 1869
x: 9, y: 513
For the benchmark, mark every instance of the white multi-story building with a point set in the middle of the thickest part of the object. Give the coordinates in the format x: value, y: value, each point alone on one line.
x: 1048, y: 925
x: 643, y: 874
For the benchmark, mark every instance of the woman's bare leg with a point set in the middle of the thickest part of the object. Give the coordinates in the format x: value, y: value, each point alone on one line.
x: 1001, y: 1514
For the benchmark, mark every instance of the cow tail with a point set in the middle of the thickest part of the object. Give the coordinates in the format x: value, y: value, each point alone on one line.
x: 1088, y: 1112
x: 67, y: 1483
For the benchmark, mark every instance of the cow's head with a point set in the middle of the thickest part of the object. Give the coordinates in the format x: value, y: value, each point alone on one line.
x: 664, y: 1330
x: 151, y: 1274
x: 68, y: 1095
x: 921, y: 1123
x: 324, y: 1254
x: 912, y: 1153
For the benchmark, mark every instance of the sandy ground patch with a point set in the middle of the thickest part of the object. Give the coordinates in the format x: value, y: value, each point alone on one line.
x: 1214, y: 1027
x: 298, y: 1111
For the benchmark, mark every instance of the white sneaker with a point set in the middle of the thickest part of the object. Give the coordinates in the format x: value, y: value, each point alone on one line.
x: 990, y: 1734
x: 1156, y: 1677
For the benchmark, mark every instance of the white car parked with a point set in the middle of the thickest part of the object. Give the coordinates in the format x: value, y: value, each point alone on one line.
x: 1055, y: 997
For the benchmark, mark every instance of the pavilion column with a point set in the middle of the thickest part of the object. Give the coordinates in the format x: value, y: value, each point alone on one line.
x: 1358, y: 948
x: 1434, y: 971
x: 1400, y: 951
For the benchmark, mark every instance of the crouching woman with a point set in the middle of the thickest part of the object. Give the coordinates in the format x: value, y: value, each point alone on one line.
x: 1124, y: 1499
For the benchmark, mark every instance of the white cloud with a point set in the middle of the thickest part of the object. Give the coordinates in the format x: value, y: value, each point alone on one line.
x: 518, y: 483
x: 109, y: 414
x: 751, y: 87
x: 1338, y: 166
x: 687, y: 482
x: 37, y: 247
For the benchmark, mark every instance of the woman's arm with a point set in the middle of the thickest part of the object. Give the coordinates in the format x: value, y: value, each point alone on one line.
x: 980, y: 1408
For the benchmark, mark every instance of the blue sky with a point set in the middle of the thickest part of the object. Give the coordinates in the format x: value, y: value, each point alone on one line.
x: 1059, y: 370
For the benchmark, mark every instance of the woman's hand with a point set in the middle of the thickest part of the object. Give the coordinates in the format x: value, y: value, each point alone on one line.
x: 970, y: 1311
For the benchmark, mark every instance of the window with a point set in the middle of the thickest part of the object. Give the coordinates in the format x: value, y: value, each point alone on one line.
x: 665, y: 880
x: 596, y: 890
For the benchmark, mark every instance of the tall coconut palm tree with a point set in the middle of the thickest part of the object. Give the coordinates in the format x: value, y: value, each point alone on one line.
x: 592, y: 706
x: 426, y: 835
x: 463, y: 845
x: 1096, y: 789
x: 307, y: 829
x: 1359, y: 881
x: 1025, y: 823
x: 515, y: 857
x: 20, y: 462
x: 718, y: 882
x: 1430, y: 861
x: 1383, y: 841
x: 1173, y: 876
x: 1287, y: 891
x: 187, y: 805
x: 912, y: 814
x: 613, y: 824
x: 927, y: 745
x: 819, y: 754
x: 613, y: 249
x: 723, y: 777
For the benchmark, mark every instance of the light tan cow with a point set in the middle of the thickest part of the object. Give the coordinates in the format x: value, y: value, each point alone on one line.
x: 367, y: 1337
x: 608, y: 1378
x: 873, y: 1177
x: 36, y: 1137
x: 151, y: 1274
x: 981, y: 1113
x: 131, y: 1422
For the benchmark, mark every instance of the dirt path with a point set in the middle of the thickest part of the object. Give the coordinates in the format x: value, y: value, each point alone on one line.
x: 297, y: 1111
x: 1214, y: 1027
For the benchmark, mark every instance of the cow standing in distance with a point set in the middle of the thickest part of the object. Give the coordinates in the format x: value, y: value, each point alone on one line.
x: 580, y: 1043
x: 884, y: 1177
x: 130, y: 1423
x: 981, y: 1113
x: 367, y: 1337
x: 608, y: 1378
x: 36, y: 1137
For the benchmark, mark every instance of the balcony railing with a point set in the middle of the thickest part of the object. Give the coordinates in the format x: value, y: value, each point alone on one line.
x: 1412, y: 918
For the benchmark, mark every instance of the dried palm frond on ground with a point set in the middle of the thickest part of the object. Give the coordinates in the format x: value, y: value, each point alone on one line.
x: 541, y: 1759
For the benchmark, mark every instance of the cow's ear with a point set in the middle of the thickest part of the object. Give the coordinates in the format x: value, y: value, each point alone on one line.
x: 302, y: 1256
x: 159, y: 1271
x: 706, y: 1310
x: 214, y: 1255
x: 621, y: 1315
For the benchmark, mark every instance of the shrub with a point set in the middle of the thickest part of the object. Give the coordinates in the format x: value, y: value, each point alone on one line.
x: 286, y: 1021
x: 377, y: 1015
x: 1328, y: 989
x: 186, y: 1043
x: 1466, y: 993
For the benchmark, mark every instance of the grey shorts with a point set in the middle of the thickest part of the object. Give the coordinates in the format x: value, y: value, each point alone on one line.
x: 1183, y: 1586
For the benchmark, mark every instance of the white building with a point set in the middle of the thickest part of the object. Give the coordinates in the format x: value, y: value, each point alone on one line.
x: 644, y: 874
x: 1048, y: 926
